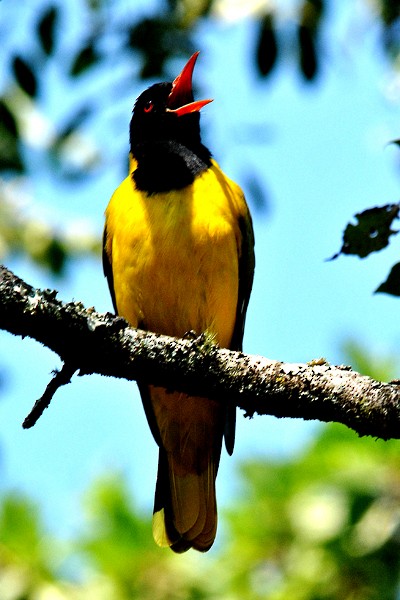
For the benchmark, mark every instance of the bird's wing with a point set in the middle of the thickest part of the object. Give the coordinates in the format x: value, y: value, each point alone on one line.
x: 246, y: 276
x: 107, y: 267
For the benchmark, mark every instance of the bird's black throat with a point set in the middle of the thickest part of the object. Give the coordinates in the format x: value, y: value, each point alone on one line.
x: 168, y: 165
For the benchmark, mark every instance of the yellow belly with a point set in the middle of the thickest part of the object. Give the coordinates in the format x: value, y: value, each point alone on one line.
x: 175, y: 256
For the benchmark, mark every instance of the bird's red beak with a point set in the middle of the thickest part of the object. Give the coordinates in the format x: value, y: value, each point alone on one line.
x: 180, y: 100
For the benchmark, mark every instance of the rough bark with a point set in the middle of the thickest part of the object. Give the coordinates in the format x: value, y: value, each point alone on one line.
x: 90, y: 342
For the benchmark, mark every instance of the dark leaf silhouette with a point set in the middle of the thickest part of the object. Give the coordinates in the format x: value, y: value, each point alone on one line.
x: 267, y: 48
x: 390, y: 11
x: 7, y: 120
x: 392, y: 283
x: 372, y: 231
x: 24, y: 75
x: 55, y: 257
x: 307, y: 52
x: 86, y: 58
x: 46, y: 29
x: 158, y: 39
x: 310, y: 16
x: 10, y: 158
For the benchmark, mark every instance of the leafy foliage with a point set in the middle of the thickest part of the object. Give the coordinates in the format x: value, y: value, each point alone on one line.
x: 320, y: 525
x: 267, y: 47
x: 25, y: 76
x: 372, y: 233
x: 10, y: 155
x: 308, y: 33
x: 46, y: 28
x: 86, y: 58
x: 392, y: 284
x: 158, y: 39
x: 32, y: 236
x: 308, y: 53
x: 390, y: 15
x: 381, y: 368
x: 323, y: 526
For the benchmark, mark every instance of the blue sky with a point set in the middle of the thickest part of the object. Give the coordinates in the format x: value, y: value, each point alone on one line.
x: 319, y: 153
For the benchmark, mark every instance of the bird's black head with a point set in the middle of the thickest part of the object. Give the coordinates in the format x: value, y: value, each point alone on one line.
x: 165, y: 135
x: 154, y: 121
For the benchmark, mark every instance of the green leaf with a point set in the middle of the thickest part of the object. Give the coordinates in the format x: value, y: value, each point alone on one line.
x: 10, y: 157
x: 21, y: 529
x: 392, y: 283
x: 46, y: 28
x: 86, y: 58
x: 382, y: 367
x: 389, y: 11
x: 311, y: 12
x: 158, y: 39
x: 372, y: 231
x: 7, y: 120
x: 24, y: 76
x: 55, y: 257
x: 267, y: 48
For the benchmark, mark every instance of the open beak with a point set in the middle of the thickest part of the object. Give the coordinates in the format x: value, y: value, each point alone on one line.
x: 180, y: 100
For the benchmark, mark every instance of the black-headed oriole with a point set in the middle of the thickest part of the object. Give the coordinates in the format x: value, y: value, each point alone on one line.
x: 179, y: 257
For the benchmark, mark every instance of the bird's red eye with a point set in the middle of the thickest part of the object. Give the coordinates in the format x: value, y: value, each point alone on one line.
x: 148, y: 107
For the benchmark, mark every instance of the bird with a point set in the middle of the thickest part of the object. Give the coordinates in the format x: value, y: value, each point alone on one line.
x: 178, y: 255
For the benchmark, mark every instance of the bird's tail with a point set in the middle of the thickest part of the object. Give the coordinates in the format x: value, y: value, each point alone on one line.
x: 189, y: 432
x: 185, y: 510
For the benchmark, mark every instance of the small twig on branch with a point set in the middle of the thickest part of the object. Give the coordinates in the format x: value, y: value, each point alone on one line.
x: 104, y: 344
x: 60, y: 378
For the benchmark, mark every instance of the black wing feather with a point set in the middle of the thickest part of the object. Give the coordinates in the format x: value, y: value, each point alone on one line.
x: 107, y: 269
x: 246, y: 275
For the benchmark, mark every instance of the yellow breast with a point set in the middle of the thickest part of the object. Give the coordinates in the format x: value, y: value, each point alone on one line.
x: 175, y: 255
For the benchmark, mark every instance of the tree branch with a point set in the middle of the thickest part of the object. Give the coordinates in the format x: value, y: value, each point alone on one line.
x: 60, y: 378
x: 104, y: 344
